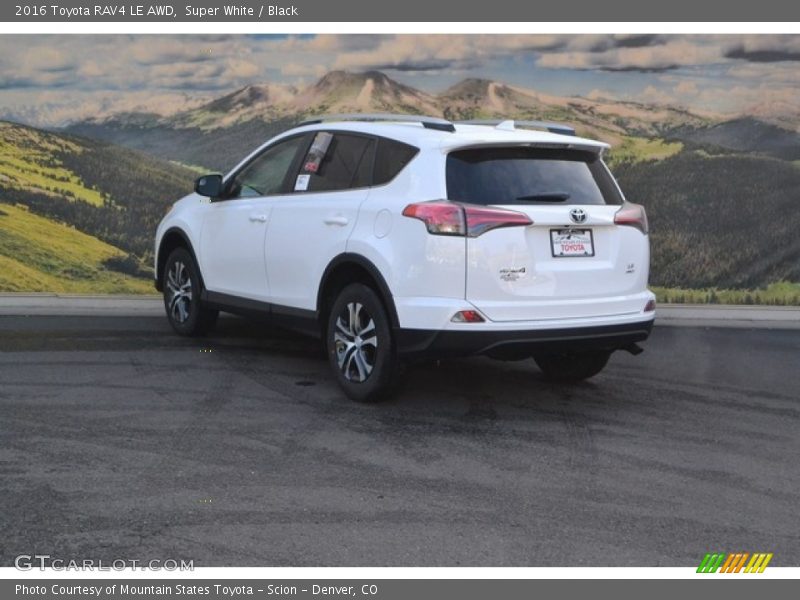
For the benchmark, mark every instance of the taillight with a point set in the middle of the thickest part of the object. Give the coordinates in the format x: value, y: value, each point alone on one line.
x: 442, y: 217
x: 481, y: 219
x: 633, y: 215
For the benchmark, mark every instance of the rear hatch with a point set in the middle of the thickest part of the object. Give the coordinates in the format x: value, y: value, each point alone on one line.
x: 573, y: 260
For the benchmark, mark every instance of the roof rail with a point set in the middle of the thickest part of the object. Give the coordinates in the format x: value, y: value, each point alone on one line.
x: 427, y: 122
x: 512, y: 124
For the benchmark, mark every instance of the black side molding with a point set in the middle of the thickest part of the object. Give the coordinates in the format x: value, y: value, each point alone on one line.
x: 296, y: 319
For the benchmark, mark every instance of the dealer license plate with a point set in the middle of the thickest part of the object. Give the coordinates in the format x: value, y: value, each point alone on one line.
x: 571, y: 242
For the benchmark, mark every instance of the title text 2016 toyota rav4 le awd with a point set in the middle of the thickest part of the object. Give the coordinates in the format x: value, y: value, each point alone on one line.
x: 395, y: 238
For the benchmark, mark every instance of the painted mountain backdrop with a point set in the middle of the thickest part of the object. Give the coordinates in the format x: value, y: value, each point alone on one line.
x: 246, y: 117
x: 721, y: 193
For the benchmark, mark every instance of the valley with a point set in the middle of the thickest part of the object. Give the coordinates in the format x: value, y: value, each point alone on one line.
x: 720, y: 193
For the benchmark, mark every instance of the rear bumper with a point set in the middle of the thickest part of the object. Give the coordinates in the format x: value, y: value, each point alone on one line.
x: 421, y: 343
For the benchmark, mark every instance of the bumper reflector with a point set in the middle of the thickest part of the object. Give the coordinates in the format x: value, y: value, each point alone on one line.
x: 467, y: 316
x: 650, y: 306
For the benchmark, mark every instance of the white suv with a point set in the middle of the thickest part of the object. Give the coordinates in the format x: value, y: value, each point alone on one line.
x: 395, y: 238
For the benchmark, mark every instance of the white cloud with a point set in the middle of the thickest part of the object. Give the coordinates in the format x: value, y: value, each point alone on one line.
x: 783, y: 73
x: 299, y: 70
x: 686, y: 88
x: 654, y: 95
x: 445, y: 51
x: 736, y: 70
x: 598, y: 94
x: 672, y: 54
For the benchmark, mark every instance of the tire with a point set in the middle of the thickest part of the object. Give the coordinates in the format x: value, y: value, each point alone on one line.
x: 182, y: 288
x: 360, y: 347
x: 575, y: 366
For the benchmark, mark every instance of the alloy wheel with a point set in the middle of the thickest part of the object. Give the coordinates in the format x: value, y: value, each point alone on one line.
x: 179, y: 284
x: 356, y: 342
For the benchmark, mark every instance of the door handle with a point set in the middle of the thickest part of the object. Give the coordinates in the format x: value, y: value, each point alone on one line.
x: 340, y: 220
x: 258, y: 218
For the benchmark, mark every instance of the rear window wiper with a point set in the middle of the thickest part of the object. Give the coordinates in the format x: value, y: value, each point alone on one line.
x: 545, y: 197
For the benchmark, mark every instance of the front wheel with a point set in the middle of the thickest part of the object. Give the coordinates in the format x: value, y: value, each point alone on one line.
x: 360, y: 346
x: 575, y: 366
x: 181, y: 285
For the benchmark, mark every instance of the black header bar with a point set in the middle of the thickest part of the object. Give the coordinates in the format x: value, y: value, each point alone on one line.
x: 304, y: 11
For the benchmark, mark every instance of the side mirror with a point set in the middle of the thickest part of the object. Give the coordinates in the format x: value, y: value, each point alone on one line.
x: 209, y: 185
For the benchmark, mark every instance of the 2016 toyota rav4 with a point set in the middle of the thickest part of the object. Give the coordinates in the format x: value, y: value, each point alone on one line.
x: 394, y: 238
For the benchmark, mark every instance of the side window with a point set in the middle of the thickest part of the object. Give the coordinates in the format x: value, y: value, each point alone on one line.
x: 267, y: 172
x: 390, y: 159
x: 336, y: 162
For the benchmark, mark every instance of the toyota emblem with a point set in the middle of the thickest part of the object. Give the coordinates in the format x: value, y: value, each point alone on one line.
x: 578, y: 215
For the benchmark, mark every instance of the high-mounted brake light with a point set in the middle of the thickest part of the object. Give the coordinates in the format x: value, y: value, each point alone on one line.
x: 443, y: 217
x: 633, y: 215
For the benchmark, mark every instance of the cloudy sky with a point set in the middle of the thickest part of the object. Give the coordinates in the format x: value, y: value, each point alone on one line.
x: 50, y: 80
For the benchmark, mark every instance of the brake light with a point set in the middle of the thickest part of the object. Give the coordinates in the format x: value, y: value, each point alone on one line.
x: 442, y: 217
x: 633, y: 215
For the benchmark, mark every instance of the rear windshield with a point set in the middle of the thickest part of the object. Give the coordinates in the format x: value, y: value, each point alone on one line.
x: 529, y: 176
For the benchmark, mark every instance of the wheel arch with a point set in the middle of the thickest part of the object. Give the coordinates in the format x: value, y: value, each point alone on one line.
x: 350, y: 268
x: 174, y: 237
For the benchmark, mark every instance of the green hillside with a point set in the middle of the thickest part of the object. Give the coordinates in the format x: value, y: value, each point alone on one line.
x: 39, y: 255
x: 30, y: 160
x: 634, y: 150
x: 745, y: 135
x: 78, y: 215
x: 719, y: 220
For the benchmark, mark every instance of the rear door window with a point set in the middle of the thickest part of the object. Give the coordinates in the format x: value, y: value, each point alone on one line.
x: 524, y: 175
x: 336, y: 161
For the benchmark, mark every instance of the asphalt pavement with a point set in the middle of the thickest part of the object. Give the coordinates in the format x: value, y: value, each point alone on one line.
x: 120, y: 440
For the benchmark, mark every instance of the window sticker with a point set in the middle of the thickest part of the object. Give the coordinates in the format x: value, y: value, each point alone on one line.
x: 301, y: 183
x: 316, y: 153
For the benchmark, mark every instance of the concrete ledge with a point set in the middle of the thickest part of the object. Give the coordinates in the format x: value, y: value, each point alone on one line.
x: 722, y: 315
x: 80, y: 305
x: 678, y: 315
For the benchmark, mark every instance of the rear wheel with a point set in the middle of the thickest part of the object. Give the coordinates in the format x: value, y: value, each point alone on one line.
x: 181, y: 285
x: 360, y: 345
x: 575, y: 366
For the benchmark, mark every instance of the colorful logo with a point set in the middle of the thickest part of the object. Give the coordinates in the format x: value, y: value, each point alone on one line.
x: 735, y: 562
